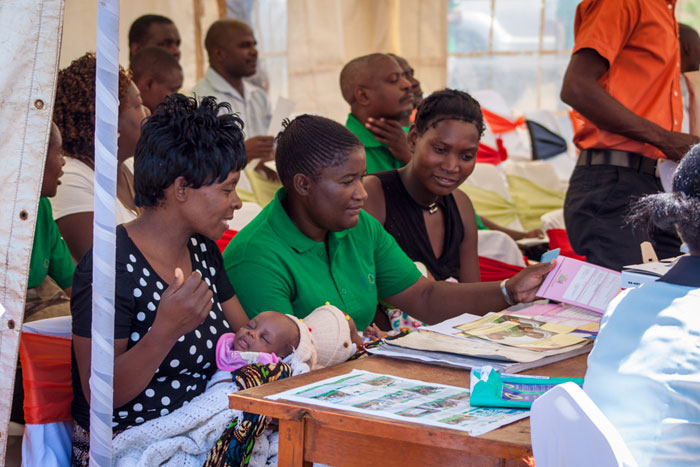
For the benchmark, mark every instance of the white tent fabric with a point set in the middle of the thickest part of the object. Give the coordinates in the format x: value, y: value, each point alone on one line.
x: 30, y: 43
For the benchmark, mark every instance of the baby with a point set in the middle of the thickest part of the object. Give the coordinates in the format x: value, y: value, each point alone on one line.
x: 325, y: 337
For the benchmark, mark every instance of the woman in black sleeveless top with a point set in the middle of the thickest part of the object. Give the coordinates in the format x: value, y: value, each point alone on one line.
x: 419, y: 204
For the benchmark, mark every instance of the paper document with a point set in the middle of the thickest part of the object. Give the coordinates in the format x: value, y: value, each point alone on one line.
x: 563, y: 314
x: 403, y: 399
x: 283, y: 109
x: 582, y: 284
x: 474, y: 347
x: 520, y: 331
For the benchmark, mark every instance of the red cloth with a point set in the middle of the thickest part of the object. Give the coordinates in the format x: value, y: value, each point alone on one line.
x: 493, y: 270
x: 223, y: 242
x: 487, y: 154
x: 558, y: 238
x: 46, y: 377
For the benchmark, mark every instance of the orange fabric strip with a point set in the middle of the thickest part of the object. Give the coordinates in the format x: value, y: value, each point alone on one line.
x: 46, y: 376
x: 499, y: 124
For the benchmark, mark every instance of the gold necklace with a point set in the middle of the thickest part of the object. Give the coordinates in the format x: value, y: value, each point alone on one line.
x: 431, y: 208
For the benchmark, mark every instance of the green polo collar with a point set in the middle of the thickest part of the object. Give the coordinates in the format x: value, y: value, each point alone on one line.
x: 363, y: 134
x: 288, y: 231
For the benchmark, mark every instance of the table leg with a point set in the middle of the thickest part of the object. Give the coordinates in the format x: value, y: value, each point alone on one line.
x: 291, y: 447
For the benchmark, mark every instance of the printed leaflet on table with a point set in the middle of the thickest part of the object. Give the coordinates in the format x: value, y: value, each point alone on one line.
x: 403, y: 399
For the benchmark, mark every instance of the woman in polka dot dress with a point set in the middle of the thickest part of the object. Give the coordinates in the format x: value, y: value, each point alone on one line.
x: 173, y: 299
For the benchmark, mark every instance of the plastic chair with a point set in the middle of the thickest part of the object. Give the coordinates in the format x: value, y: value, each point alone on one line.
x: 569, y: 430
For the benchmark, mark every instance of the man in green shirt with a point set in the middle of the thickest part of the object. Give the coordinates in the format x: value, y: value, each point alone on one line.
x: 291, y: 271
x: 379, y: 95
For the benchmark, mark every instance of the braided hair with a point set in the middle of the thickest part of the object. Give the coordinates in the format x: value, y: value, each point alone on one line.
x: 74, y: 111
x: 311, y: 143
x: 202, y: 143
x: 679, y: 209
x: 448, y: 104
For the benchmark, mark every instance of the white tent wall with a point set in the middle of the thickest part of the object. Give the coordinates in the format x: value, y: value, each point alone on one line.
x: 30, y: 44
x: 323, y: 35
x: 81, y: 23
x: 326, y: 34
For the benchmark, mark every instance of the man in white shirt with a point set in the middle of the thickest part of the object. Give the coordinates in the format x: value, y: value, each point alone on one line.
x: 233, y: 55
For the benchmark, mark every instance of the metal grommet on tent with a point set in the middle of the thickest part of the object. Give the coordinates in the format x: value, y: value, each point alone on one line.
x: 39, y: 104
x: 11, y: 323
x: 23, y: 215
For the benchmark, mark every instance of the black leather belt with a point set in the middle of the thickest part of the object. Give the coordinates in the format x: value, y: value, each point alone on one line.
x: 630, y: 160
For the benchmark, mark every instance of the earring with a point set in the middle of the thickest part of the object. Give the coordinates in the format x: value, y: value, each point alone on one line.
x: 118, y: 135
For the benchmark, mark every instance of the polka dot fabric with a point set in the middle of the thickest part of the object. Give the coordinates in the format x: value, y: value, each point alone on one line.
x: 184, y: 372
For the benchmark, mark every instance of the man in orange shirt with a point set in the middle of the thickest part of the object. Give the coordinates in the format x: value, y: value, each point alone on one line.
x: 624, y: 81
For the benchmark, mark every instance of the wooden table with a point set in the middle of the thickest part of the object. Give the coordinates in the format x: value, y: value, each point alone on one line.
x: 341, y: 438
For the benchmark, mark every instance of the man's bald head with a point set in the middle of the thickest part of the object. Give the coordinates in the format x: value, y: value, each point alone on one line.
x: 690, y: 48
x: 220, y: 32
x: 360, y: 71
x: 232, y: 49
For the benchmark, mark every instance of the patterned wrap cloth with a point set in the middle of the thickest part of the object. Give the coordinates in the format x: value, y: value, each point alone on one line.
x: 235, y: 445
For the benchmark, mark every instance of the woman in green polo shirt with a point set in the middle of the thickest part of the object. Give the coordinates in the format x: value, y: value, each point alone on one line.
x: 314, y: 244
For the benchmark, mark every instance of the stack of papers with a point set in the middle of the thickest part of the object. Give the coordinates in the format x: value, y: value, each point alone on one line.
x: 522, y: 337
x: 461, y: 342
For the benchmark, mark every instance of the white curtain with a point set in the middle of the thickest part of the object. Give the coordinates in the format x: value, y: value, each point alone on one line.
x: 30, y: 43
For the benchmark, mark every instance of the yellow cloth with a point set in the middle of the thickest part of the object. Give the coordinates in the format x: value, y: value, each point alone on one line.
x: 531, y: 201
x: 263, y: 189
x: 490, y: 205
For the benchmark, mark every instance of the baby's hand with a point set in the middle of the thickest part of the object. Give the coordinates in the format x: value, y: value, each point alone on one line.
x: 354, y: 335
x: 373, y: 332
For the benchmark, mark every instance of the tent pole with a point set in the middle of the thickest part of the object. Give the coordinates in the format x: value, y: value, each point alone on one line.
x: 104, y: 246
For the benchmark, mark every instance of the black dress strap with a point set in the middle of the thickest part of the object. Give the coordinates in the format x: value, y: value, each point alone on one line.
x: 404, y: 220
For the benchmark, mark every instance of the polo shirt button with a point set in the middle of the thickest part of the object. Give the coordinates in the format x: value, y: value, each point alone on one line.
x: 343, y: 291
x: 670, y: 7
x: 675, y: 122
x: 675, y: 93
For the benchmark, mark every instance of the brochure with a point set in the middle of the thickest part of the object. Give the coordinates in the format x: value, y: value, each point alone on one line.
x: 562, y: 314
x: 403, y: 399
x: 520, y: 331
x: 492, y: 389
x: 582, y: 284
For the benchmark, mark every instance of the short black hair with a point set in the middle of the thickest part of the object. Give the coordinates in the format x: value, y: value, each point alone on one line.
x: 201, y: 142
x: 448, y: 104
x: 680, y: 209
x: 310, y: 143
x: 154, y: 60
x: 139, y: 28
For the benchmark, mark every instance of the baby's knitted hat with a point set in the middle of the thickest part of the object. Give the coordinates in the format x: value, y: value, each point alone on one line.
x: 305, y: 350
x: 331, y: 335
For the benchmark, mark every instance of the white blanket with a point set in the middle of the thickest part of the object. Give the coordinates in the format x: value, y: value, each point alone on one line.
x: 184, y: 437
